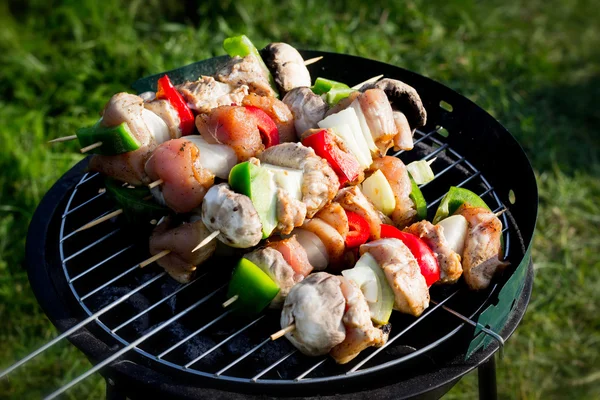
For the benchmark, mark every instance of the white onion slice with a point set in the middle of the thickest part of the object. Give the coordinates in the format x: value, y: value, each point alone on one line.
x: 455, y: 232
x: 157, y: 127
x: 217, y: 158
x: 315, y: 249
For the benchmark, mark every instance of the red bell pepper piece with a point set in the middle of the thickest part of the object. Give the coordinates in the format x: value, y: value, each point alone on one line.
x: 266, y: 126
x: 167, y: 91
x: 358, y: 230
x: 430, y: 269
x: 345, y: 165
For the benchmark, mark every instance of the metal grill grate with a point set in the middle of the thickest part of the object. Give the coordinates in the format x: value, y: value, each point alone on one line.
x: 147, y: 313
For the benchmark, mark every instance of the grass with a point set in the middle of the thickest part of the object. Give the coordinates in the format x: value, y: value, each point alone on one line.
x: 534, y: 65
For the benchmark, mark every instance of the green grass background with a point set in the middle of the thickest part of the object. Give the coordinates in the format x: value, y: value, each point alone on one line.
x: 535, y: 65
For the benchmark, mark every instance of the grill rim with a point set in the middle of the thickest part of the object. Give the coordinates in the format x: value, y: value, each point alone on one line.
x: 71, y: 175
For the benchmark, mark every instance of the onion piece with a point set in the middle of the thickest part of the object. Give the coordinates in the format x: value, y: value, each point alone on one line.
x: 455, y: 231
x: 217, y: 158
x: 315, y: 249
x: 420, y: 171
x: 157, y: 127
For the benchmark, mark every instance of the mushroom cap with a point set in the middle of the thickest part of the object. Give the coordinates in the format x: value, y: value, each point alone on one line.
x: 404, y: 98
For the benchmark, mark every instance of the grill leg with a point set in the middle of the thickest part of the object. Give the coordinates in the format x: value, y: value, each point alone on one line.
x: 487, y: 380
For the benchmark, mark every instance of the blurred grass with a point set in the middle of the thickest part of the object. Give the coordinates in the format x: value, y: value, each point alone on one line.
x: 534, y: 65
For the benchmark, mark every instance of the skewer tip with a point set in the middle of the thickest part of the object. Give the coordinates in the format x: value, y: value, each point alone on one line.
x: 154, y: 258
x: 206, y: 240
x: 283, y: 332
x: 63, y: 139
x: 156, y: 183
x: 312, y: 60
x: 230, y: 301
x: 90, y: 147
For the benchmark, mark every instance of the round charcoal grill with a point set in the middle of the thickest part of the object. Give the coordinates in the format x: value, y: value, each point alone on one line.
x: 149, y: 335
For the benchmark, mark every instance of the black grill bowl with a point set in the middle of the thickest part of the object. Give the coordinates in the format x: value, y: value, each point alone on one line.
x: 427, y: 358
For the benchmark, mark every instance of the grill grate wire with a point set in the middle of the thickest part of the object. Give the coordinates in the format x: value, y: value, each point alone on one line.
x: 434, y: 146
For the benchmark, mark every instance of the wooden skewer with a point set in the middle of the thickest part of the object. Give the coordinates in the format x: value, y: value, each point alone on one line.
x: 156, y: 183
x: 499, y: 213
x: 371, y: 80
x: 282, y: 332
x: 91, y: 147
x: 100, y: 220
x: 154, y: 258
x: 63, y: 139
x: 230, y: 301
x: 431, y: 161
x: 207, y: 240
x: 312, y: 60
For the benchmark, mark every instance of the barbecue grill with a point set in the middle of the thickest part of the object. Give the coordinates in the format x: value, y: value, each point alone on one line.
x: 149, y: 336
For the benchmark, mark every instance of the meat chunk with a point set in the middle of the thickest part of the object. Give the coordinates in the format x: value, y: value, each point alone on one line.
x: 402, y: 272
x: 279, y: 113
x: 273, y: 264
x: 404, y: 138
x: 287, y: 66
x: 335, y: 215
x: 167, y: 113
x: 129, y: 108
x: 233, y: 215
x: 247, y: 71
x: 316, y: 306
x: 308, y: 108
x: 126, y: 167
x: 181, y: 263
x: 396, y: 173
x: 360, y: 332
x: 233, y: 126
x: 433, y: 236
x: 290, y: 212
x: 482, y: 256
x: 295, y: 255
x: 352, y: 199
x: 378, y: 113
x: 185, y: 181
x: 320, y: 183
x: 206, y: 93
x: 332, y: 240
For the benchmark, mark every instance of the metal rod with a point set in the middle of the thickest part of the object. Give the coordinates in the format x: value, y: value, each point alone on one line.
x: 191, y: 335
x: 311, y: 369
x: 78, y: 229
x: 243, y: 356
x: 158, y: 303
x: 78, y: 326
x: 442, y: 172
x: 89, y: 246
x: 486, y: 374
x: 459, y: 185
x: 86, y: 178
x: 435, y: 152
x: 130, y: 346
x: 409, y: 327
x: 419, y: 140
x: 227, y: 339
x: 134, y: 268
x: 100, y: 263
x: 83, y: 204
x: 276, y: 363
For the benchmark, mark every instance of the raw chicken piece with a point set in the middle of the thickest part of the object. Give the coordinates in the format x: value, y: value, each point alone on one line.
x: 167, y: 113
x: 286, y: 65
x: 404, y: 138
x: 316, y: 305
x: 332, y: 240
x: 185, y: 182
x: 126, y: 167
x: 320, y: 183
x: 352, y: 199
x: 279, y: 113
x: 396, y: 173
x: 335, y: 215
x: 433, y: 235
x: 233, y: 215
x: 402, y: 272
x: 378, y: 113
x: 246, y: 71
x: 273, y: 264
x: 233, y: 126
x: 294, y: 254
x: 290, y: 212
x: 482, y: 256
x: 360, y: 332
x: 181, y: 240
x: 128, y: 108
x: 308, y: 108
x: 206, y: 93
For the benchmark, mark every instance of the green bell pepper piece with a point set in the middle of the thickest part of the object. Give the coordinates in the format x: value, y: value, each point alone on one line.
x: 337, y: 94
x: 417, y: 197
x: 241, y: 46
x: 257, y: 183
x: 115, y: 139
x: 455, y: 198
x: 137, y: 211
x: 323, y: 85
x: 253, y: 287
